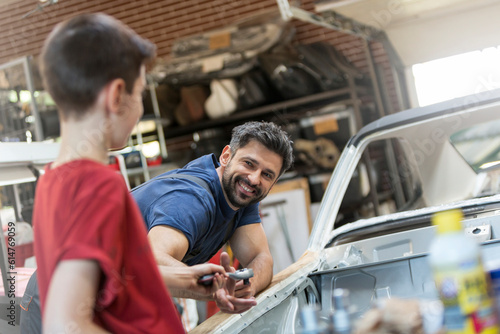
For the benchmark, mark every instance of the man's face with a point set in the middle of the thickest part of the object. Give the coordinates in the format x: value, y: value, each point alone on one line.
x: 250, y: 174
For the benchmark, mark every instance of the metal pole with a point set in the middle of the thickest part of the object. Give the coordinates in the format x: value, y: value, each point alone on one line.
x: 394, y: 177
x: 34, y: 108
x: 397, y: 69
x: 17, y: 203
x: 355, y: 104
x: 333, y: 20
x: 12, y: 63
x: 144, y: 161
x: 159, y: 125
x: 374, y: 78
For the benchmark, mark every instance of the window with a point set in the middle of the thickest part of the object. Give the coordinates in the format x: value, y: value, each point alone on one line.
x: 451, y: 77
x: 479, y: 145
x: 385, y: 182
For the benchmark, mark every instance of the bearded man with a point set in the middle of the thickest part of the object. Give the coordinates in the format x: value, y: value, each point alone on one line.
x: 193, y: 211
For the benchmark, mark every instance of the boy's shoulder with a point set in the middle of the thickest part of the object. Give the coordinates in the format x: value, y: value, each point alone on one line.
x: 99, y: 174
x: 87, y: 173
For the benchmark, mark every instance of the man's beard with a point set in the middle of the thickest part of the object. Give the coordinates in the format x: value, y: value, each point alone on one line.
x: 229, y: 184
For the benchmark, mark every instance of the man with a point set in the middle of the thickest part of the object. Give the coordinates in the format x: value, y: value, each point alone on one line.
x: 189, y: 220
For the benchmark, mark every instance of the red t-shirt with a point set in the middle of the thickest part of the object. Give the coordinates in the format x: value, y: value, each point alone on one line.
x: 83, y: 210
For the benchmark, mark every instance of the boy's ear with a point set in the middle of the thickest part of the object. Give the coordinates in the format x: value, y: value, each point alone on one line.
x: 115, y: 90
x: 225, y: 156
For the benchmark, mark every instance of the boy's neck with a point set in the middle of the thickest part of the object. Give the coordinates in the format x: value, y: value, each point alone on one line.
x: 86, y: 138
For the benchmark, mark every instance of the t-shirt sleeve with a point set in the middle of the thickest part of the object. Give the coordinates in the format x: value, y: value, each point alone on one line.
x: 183, y: 209
x: 250, y: 215
x: 98, y: 226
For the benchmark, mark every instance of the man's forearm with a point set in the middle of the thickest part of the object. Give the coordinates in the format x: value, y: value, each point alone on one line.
x: 180, y: 293
x: 182, y: 280
x: 173, y: 272
x: 262, y: 266
x: 169, y: 247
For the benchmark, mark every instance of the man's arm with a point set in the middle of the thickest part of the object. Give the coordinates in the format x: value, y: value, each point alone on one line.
x: 169, y: 254
x: 169, y: 246
x: 71, y: 297
x: 249, y: 244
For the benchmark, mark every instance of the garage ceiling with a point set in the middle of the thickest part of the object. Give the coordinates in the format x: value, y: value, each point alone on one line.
x: 423, y: 30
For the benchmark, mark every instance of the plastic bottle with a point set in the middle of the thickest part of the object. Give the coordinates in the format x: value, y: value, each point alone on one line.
x: 311, y: 321
x: 340, y: 317
x: 460, y: 278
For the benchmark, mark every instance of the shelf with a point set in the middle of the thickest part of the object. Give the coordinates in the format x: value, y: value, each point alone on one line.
x: 15, y: 175
x: 341, y: 96
x: 27, y: 153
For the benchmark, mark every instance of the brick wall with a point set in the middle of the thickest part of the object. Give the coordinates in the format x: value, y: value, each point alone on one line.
x: 163, y: 22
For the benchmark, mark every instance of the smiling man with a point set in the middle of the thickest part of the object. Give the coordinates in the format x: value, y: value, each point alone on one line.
x: 192, y: 211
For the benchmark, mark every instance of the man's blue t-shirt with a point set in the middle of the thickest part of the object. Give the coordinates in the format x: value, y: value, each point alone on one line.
x: 201, y: 216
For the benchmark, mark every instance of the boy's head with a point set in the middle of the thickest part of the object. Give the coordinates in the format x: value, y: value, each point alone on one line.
x: 82, y: 55
x: 269, y: 135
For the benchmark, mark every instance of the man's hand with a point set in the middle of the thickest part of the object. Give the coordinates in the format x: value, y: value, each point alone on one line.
x: 226, y: 299
x: 243, y: 290
x: 183, y: 278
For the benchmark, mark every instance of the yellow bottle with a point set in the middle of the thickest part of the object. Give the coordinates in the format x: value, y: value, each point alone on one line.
x: 460, y: 278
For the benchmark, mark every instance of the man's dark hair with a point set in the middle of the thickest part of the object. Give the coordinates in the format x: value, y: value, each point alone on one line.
x: 269, y: 135
x: 83, y: 54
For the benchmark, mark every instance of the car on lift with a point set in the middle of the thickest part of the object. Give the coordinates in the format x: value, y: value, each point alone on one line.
x: 373, y: 231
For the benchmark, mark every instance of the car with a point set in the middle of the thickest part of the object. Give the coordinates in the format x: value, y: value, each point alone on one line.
x: 373, y: 229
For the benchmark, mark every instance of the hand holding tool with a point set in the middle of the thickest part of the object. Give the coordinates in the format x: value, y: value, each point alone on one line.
x: 206, y: 280
x: 242, y: 274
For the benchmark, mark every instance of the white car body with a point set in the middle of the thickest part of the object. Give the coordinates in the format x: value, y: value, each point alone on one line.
x: 385, y: 255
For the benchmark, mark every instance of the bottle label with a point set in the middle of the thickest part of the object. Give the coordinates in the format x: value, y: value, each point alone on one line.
x: 468, y: 305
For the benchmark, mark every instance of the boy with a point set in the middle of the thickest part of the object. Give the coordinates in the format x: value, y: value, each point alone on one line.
x: 96, y: 272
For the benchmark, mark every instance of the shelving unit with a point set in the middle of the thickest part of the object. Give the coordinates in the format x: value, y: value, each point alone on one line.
x: 349, y: 95
x: 137, y: 139
x: 343, y: 105
x: 349, y: 102
x: 354, y: 96
x: 330, y: 19
x: 11, y: 127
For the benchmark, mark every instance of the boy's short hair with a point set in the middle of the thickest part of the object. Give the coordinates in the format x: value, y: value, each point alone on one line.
x: 269, y: 135
x: 83, y: 54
